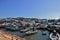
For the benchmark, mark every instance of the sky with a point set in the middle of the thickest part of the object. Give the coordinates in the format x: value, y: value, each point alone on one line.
x: 30, y: 8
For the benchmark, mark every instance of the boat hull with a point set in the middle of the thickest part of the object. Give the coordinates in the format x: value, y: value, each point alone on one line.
x: 31, y: 33
x: 54, y: 37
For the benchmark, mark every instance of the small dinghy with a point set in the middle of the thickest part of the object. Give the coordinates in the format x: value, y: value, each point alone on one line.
x: 54, y: 37
x: 44, y: 33
x: 32, y: 31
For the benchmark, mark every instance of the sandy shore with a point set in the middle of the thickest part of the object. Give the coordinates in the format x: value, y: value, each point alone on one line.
x: 7, y: 36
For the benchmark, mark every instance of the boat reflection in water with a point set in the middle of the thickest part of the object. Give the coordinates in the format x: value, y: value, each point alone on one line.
x: 38, y: 36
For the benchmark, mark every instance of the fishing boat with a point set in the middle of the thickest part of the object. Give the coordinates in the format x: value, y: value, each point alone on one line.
x: 52, y: 37
x: 31, y: 32
x: 12, y: 28
x: 25, y: 30
x: 42, y: 27
x: 44, y: 33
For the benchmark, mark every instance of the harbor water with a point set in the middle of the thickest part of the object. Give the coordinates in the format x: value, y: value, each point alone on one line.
x: 36, y: 36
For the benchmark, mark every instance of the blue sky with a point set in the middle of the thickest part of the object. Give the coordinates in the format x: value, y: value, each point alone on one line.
x: 30, y: 8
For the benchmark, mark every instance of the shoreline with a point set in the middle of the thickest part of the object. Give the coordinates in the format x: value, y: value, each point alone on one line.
x: 8, y: 36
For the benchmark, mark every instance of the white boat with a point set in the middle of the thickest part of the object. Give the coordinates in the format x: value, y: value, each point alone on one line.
x: 44, y: 33
x: 52, y: 37
x: 31, y: 32
x: 25, y: 30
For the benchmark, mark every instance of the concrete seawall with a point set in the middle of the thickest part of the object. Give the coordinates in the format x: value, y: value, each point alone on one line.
x: 7, y: 36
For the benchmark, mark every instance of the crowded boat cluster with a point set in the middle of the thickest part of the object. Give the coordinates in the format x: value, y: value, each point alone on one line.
x: 31, y: 25
x: 20, y: 23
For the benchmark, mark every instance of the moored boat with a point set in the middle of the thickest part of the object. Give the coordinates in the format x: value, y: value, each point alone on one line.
x: 31, y: 32
x: 54, y: 35
x: 44, y: 33
x: 25, y: 30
